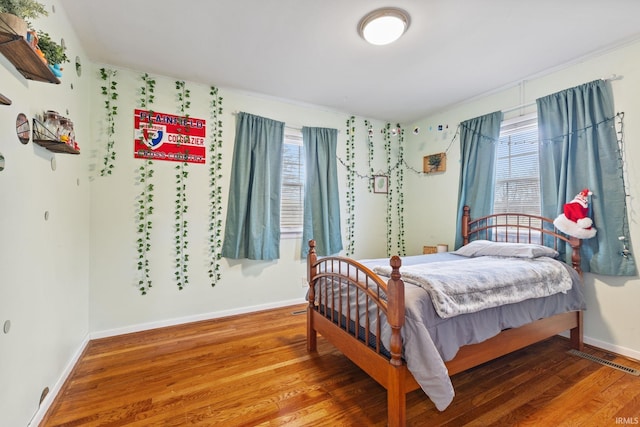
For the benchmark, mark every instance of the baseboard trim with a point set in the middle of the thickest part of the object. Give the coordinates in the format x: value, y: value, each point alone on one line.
x: 53, y: 392
x: 622, y: 351
x: 195, y: 318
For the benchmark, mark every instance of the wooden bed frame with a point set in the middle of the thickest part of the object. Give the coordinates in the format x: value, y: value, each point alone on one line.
x: 387, y: 367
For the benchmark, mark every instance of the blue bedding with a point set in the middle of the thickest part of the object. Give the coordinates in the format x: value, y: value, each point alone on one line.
x: 430, y: 340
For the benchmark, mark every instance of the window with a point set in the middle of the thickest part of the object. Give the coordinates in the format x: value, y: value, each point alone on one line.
x: 517, y: 185
x: 292, y: 198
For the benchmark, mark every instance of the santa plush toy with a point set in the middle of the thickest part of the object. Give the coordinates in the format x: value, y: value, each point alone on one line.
x: 574, y: 221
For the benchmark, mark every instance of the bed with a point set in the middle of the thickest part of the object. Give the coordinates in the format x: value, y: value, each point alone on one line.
x: 390, y: 327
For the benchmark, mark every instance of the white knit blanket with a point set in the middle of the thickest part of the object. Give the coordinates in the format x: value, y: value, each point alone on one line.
x: 474, y: 284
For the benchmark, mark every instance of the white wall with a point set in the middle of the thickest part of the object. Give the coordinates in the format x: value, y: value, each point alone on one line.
x: 611, y: 320
x: 115, y: 302
x: 44, y: 264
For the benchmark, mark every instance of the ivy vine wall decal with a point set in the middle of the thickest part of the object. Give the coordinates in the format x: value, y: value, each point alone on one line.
x: 109, y: 91
x: 394, y: 191
x: 181, y: 243
x: 386, y: 133
x: 215, y: 187
x: 351, y: 194
x: 144, y: 208
x: 400, y: 193
x: 369, y: 127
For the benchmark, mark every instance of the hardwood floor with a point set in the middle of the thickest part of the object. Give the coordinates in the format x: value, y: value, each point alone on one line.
x: 254, y: 370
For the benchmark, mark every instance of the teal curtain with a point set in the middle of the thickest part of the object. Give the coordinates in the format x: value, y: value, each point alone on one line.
x: 478, y: 142
x: 579, y: 149
x: 252, y: 229
x: 322, y: 193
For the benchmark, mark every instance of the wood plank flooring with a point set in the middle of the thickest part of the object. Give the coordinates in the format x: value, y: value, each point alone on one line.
x: 254, y: 370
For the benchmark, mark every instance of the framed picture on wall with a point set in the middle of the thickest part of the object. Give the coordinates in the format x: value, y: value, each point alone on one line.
x: 380, y: 184
x: 435, y: 163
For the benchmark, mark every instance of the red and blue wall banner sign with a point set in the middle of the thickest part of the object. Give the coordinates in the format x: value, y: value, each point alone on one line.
x: 160, y: 136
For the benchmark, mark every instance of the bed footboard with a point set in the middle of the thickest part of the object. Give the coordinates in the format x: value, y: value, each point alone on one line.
x: 354, y: 298
x: 348, y: 305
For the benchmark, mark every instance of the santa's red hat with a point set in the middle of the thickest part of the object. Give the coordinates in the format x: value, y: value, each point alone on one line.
x: 574, y: 221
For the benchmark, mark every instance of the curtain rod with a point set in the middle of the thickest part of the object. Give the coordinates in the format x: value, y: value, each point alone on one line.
x: 287, y: 126
x: 530, y: 104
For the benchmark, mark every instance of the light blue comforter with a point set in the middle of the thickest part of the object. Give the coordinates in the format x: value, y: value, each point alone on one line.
x: 429, y: 340
x: 475, y: 284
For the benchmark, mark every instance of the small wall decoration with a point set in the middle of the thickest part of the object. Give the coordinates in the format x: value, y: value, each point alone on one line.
x: 380, y: 184
x: 161, y: 136
x: 23, y: 130
x: 435, y: 163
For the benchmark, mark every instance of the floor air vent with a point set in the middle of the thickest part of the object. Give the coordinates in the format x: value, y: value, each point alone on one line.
x: 605, y: 362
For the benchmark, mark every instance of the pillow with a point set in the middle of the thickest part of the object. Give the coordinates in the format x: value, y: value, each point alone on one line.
x: 517, y: 250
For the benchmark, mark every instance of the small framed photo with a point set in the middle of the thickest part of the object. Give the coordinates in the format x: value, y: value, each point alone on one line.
x: 381, y: 184
x: 434, y: 163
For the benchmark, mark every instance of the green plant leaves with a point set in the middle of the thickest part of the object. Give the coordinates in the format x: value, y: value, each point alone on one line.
x: 111, y: 110
x: 144, y: 209
x: 181, y: 208
x: 351, y: 194
x: 215, y: 193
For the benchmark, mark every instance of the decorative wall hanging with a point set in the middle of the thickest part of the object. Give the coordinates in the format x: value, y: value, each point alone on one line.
x: 184, y: 141
x: 144, y: 209
x: 386, y: 133
x: 109, y: 91
x: 381, y: 184
x: 434, y: 163
x: 370, y: 152
x: 215, y: 193
x: 351, y: 194
x: 400, y: 193
x: 23, y: 130
x: 162, y: 136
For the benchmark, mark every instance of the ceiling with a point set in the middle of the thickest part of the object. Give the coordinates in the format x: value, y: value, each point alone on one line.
x: 309, y: 51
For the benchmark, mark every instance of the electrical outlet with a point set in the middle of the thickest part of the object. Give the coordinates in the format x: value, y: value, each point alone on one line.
x: 304, y: 282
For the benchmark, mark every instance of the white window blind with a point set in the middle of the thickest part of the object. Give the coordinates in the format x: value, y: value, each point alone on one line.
x: 517, y: 186
x: 292, y: 197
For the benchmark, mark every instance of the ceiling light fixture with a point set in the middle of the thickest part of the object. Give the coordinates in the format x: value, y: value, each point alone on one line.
x: 384, y: 26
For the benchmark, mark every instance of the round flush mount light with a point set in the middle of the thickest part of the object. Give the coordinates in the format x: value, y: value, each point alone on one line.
x: 384, y: 26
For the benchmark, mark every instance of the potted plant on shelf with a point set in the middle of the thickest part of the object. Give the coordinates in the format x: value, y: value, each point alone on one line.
x: 14, y: 15
x: 53, y: 53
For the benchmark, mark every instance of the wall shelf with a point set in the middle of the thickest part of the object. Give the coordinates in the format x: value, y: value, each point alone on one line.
x: 44, y: 138
x: 4, y: 100
x: 16, y: 49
